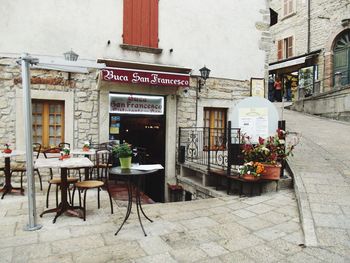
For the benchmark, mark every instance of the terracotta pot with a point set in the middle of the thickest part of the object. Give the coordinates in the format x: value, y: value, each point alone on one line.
x: 86, y: 149
x: 7, y: 151
x: 271, y: 172
x: 250, y: 177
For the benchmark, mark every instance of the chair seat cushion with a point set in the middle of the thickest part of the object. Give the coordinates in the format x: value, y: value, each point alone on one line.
x: 58, y: 180
x: 103, y: 165
x: 89, y: 184
x: 18, y: 168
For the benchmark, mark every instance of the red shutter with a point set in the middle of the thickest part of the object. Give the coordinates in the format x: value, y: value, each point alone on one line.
x: 280, y: 49
x: 141, y: 23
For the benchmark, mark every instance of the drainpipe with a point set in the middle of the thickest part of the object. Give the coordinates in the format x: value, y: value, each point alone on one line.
x: 308, y: 25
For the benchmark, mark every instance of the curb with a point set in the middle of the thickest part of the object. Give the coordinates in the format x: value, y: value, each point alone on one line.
x: 307, y: 220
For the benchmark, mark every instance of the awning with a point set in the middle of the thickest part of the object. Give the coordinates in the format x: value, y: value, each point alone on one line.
x: 289, y: 62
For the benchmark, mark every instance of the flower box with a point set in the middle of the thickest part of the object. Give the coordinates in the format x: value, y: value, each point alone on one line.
x: 271, y: 171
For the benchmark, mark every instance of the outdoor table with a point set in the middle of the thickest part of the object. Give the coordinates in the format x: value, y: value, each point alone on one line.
x: 8, y: 188
x: 133, y: 177
x: 64, y: 165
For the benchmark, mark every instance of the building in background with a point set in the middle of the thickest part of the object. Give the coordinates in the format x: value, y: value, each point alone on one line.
x: 311, y: 48
x: 137, y: 75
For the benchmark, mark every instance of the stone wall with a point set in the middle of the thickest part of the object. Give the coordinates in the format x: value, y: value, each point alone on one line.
x: 82, y: 86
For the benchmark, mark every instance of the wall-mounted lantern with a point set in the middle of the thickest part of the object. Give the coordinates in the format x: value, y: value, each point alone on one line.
x: 71, y: 56
x: 204, y: 76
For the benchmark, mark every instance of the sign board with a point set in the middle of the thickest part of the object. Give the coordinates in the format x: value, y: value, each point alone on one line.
x: 257, y: 87
x: 136, y: 104
x: 255, y: 117
x: 254, y: 122
x: 152, y: 78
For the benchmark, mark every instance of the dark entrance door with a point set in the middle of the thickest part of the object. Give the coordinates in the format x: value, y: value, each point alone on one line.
x: 148, y: 133
x: 342, y: 57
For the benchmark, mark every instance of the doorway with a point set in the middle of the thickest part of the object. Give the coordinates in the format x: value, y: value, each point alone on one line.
x: 146, y: 132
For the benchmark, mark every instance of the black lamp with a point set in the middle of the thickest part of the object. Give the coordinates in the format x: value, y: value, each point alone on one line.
x: 204, y: 76
x: 71, y: 56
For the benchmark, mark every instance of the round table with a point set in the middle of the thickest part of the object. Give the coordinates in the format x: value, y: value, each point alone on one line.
x: 133, y: 178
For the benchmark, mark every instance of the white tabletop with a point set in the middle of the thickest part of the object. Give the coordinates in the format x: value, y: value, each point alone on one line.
x: 81, y: 152
x: 13, y: 153
x: 65, y: 163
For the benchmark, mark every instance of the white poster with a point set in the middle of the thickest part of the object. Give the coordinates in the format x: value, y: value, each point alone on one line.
x: 254, y: 123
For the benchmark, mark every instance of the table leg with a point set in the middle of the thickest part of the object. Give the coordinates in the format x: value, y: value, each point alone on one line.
x: 138, y: 200
x: 8, y: 188
x: 128, y: 211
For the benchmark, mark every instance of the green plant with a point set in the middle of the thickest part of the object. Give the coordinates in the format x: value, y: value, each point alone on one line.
x: 7, y: 146
x: 122, y: 150
x: 86, y: 144
x: 66, y: 151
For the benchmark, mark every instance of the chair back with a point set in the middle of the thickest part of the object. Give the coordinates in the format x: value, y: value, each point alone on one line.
x: 52, y: 153
x: 36, y: 150
x: 103, y: 162
x: 62, y: 145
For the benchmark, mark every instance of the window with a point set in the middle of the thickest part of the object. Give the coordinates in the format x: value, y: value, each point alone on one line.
x: 140, y: 26
x: 288, y: 7
x: 48, y: 122
x: 285, y: 48
x: 215, y: 119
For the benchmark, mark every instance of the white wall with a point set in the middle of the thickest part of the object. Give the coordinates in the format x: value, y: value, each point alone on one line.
x: 220, y: 34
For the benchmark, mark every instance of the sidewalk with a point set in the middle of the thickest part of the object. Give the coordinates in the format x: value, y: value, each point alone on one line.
x: 321, y: 167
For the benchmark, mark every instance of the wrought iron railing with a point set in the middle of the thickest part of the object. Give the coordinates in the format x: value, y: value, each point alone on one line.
x: 207, y: 146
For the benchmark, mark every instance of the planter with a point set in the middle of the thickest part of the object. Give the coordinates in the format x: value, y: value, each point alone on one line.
x: 271, y: 172
x: 125, y: 162
x: 86, y: 149
x: 7, y: 151
x: 62, y: 157
x: 250, y: 177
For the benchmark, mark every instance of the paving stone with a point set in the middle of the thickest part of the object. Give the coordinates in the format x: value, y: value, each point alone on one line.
x: 303, y: 257
x: 275, y: 217
x: 243, y: 213
x: 332, y: 236
x: 53, y: 235
x: 264, y: 253
x: 198, y: 223
x: 188, y: 254
x: 325, y: 208
x: 77, y: 244
x: 6, y: 255
x: 330, y: 220
x: 239, y: 243
x: 228, y: 218
x: 92, y: 229
x: 295, y: 238
x: 237, y: 257
x: 288, y: 210
x: 160, y: 258
x: 213, y: 249
x: 325, y: 255
x: 154, y: 245
x: 255, y: 223
x: 230, y: 230
x: 260, y: 208
x: 285, y: 247
x: 269, y: 233
x: 7, y: 230
x: 209, y: 260
x: 19, y: 240
x: 346, y: 210
x: 24, y: 253
x: 63, y: 258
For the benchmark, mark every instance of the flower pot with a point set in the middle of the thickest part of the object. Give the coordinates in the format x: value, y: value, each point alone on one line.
x: 7, y: 151
x: 271, y: 172
x: 250, y: 177
x: 125, y: 162
x: 86, y: 149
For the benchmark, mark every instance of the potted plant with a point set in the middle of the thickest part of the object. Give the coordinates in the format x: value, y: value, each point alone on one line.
x: 271, y: 151
x: 124, y: 153
x: 86, y: 146
x: 7, y: 150
x: 65, y: 153
x: 251, y: 171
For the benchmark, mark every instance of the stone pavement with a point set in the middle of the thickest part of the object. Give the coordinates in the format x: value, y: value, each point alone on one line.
x: 321, y: 167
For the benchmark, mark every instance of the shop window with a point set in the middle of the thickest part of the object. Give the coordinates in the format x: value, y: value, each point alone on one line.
x: 288, y: 7
x: 215, y: 119
x: 48, y: 122
x: 285, y: 48
x: 140, y: 23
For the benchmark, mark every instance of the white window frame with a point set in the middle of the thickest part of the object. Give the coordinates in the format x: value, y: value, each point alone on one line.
x: 290, y: 3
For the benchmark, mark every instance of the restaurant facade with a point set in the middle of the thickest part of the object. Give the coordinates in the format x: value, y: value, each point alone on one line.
x: 125, y: 87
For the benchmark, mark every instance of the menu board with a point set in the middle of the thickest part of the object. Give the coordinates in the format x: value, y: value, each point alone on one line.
x: 254, y: 122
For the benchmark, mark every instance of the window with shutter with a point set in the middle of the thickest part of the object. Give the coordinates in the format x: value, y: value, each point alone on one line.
x: 285, y: 48
x: 280, y: 49
x: 140, y: 23
x: 288, y: 7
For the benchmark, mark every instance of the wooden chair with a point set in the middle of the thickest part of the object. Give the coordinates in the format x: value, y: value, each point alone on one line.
x: 102, y: 164
x: 55, y: 153
x: 22, y: 167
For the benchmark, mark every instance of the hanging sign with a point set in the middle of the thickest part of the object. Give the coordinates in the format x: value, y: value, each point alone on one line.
x: 136, y: 104
x: 146, y: 77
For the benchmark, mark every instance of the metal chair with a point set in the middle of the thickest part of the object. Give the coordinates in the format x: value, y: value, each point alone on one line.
x: 22, y: 167
x: 55, y: 153
x: 102, y: 165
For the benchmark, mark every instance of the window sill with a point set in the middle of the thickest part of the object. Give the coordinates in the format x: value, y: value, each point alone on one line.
x: 141, y: 49
x: 288, y: 16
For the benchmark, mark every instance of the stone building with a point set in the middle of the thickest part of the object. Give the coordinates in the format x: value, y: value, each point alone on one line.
x: 137, y: 76
x: 311, y: 47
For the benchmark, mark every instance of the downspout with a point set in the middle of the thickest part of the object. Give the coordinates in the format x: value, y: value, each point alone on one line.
x: 308, y: 25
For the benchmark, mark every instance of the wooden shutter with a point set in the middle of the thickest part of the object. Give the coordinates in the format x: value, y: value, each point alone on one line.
x: 290, y: 6
x: 290, y: 47
x: 280, y: 49
x: 140, y: 23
